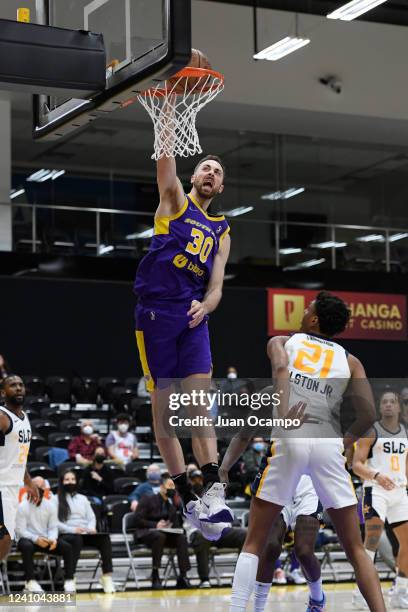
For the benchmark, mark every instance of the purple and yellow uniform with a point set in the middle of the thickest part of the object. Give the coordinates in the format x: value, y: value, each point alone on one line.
x: 175, y: 272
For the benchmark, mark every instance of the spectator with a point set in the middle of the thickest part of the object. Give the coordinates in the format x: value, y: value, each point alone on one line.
x: 97, y: 480
x: 122, y: 444
x: 4, y: 368
x: 37, y: 531
x: 141, y: 389
x: 232, y: 538
x: 232, y: 383
x: 252, y: 458
x: 154, y: 517
x: 82, y: 448
x: 150, y: 487
x: 404, y: 404
x: 77, y: 526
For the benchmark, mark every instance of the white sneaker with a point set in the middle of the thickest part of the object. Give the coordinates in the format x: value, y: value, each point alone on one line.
x: 279, y: 577
x: 214, y: 508
x: 32, y: 586
x: 107, y: 584
x: 205, y: 584
x: 400, y: 599
x: 358, y: 601
x: 69, y: 586
x: 297, y: 576
x: 211, y: 531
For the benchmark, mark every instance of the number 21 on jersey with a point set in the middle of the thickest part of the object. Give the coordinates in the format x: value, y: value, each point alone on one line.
x: 313, y: 359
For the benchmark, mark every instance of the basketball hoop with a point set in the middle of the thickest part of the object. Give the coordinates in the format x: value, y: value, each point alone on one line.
x: 173, y: 106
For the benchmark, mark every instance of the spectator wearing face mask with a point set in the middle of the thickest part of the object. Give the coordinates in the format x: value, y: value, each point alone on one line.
x: 97, y: 479
x: 252, y: 458
x: 77, y: 526
x: 150, y: 487
x: 82, y: 448
x: 37, y: 531
x: 121, y: 444
x: 154, y: 516
x: 232, y: 383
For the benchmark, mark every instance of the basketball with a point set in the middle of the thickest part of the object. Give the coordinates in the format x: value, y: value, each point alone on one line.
x: 198, y: 60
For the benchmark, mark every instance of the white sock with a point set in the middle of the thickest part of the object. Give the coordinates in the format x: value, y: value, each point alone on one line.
x: 261, y: 593
x: 316, y: 590
x: 371, y: 554
x: 401, y: 583
x: 244, y: 581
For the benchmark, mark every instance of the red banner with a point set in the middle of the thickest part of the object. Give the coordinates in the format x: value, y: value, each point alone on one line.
x: 375, y: 316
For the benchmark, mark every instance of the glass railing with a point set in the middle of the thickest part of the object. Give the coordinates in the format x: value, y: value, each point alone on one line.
x: 105, y: 232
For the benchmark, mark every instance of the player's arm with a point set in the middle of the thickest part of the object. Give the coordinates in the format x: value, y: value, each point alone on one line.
x: 361, y: 395
x: 360, y: 468
x: 5, y: 422
x: 213, y: 294
x: 280, y: 371
x: 170, y: 188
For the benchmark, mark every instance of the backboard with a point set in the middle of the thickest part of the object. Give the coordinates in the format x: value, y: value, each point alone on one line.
x: 146, y: 41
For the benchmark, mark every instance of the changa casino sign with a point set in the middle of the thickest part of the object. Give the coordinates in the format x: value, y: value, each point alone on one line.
x: 375, y: 316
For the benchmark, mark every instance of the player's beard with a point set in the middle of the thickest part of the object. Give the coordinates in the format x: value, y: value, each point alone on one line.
x: 16, y: 400
x: 207, y: 195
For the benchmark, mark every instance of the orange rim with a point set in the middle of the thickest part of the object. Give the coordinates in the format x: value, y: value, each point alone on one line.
x: 187, y: 72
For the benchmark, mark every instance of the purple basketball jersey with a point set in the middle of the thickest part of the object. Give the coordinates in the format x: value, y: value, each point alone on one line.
x: 180, y: 260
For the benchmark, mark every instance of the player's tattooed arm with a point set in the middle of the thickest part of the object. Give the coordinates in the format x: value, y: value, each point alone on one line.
x: 360, y: 393
x: 213, y: 294
x: 361, y: 453
x: 280, y: 371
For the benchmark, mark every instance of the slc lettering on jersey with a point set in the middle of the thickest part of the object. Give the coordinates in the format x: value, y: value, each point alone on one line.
x: 394, y: 447
x: 24, y: 437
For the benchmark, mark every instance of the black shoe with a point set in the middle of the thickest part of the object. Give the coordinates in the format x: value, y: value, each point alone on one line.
x: 156, y: 582
x: 183, y: 583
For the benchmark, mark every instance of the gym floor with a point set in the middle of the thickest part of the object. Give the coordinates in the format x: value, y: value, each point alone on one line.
x: 286, y: 599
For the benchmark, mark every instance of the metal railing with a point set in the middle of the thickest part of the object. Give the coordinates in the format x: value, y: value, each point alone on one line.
x: 279, y: 226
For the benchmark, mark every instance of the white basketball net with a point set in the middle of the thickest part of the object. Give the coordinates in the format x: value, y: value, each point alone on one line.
x: 173, y: 108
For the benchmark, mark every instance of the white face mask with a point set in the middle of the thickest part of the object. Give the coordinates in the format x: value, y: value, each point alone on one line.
x: 232, y: 375
x: 87, y: 430
x: 123, y: 427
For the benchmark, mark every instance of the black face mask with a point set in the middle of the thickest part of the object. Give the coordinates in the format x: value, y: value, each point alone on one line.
x: 170, y: 493
x: 70, y: 488
x: 99, y: 458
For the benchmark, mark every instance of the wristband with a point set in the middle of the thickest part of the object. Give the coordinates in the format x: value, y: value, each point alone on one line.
x: 375, y: 475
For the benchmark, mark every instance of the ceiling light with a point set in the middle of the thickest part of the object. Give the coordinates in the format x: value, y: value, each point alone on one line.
x: 371, y: 238
x: 306, y: 264
x: 330, y: 244
x: 354, y: 9
x: 290, y: 251
x: 283, y: 195
x: 15, y: 193
x: 236, y: 212
x: 283, y: 47
x: 45, y: 175
x: 104, y: 249
x: 396, y: 237
x: 148, y: 233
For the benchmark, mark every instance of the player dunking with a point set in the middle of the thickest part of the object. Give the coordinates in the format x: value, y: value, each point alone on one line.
x: 15, y: 436
x: 179, y: 283
x: 305, y: 358
x: 380, y: 460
